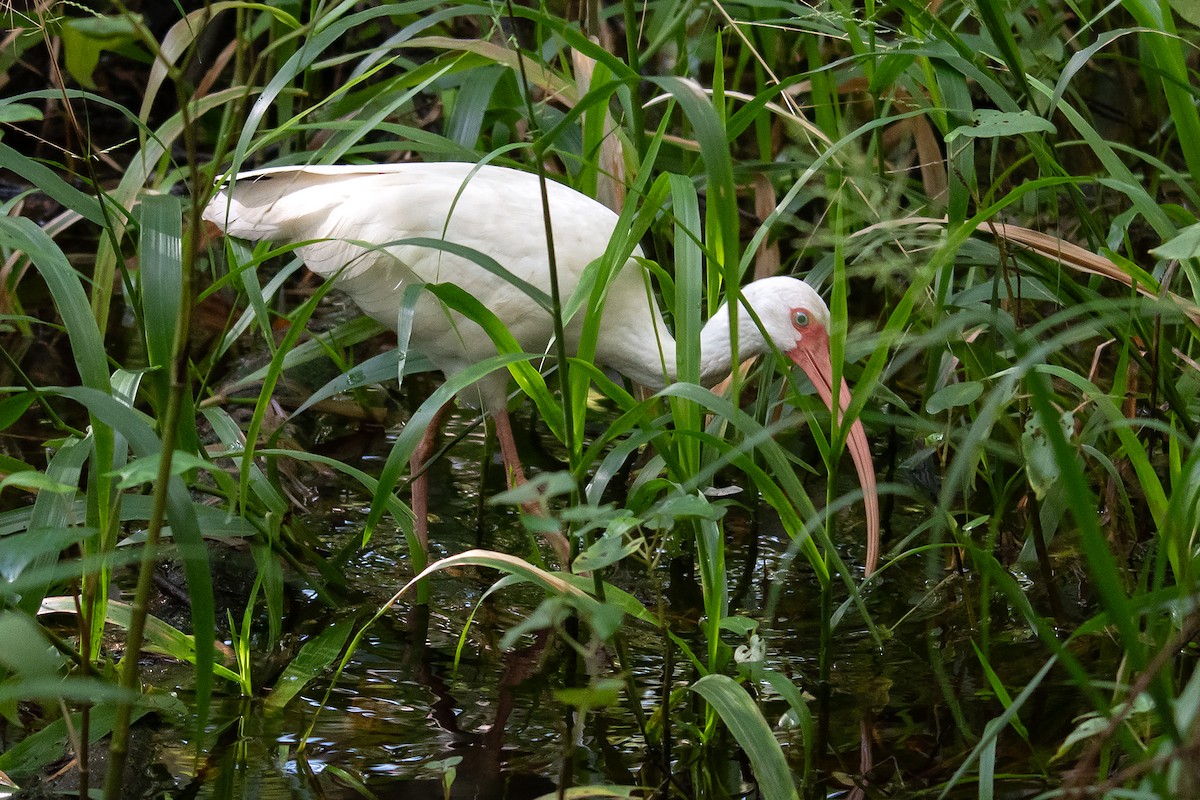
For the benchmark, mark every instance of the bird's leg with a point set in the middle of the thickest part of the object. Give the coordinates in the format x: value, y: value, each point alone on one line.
x: 508, y: 450
x: 516, y: 477
x: 417, y: 466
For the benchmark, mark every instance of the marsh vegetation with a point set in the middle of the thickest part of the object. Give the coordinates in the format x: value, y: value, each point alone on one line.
x: 208, y: 561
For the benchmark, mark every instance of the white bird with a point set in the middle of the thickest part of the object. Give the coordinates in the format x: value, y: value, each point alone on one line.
x: 348, y: 218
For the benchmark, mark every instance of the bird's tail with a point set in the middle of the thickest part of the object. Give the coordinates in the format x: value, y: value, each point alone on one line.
x: 273, y: 205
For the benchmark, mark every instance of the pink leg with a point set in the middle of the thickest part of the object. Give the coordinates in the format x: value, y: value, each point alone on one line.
x: 516, y: 476
x: 419, y: 485
x: 508, y: 449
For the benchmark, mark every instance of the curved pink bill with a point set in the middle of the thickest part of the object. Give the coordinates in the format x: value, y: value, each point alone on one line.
x: 812, y: 356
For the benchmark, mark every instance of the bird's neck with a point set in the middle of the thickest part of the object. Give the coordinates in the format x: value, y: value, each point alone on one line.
x: 717, y: 356
x: 719, y: 353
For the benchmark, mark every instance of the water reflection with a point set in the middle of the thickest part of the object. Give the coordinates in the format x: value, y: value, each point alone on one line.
x: 419, y: 698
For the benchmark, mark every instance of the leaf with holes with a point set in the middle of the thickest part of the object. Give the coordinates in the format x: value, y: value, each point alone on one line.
x: 987, y: 123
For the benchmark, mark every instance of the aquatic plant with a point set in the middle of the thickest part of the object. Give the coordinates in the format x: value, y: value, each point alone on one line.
x: 1000, y: 202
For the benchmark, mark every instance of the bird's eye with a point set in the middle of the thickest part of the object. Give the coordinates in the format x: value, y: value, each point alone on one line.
x: 800, y: 319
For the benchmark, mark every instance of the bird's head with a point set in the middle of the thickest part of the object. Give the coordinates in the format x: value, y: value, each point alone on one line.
x: 796, y: 320
x: 793, y: 315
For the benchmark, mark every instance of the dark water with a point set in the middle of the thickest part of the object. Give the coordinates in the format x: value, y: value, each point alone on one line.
x: 406, y: 707
x: 410, y: 705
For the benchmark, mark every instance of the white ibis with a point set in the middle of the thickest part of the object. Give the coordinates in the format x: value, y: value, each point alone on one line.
x: 339, y: 211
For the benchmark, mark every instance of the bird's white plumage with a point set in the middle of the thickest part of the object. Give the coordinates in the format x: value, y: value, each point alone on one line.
x: 351, y: 220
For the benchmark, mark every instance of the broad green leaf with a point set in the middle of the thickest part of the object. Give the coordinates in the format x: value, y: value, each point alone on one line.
x: 8, y: 464
x: 51, y: 183
x: 600, y: 693
x: 19, y: 550
x: 11, y: 409
x: 550, y: 614
x: 470, y: 105
x: 85, y: 38
x: 181, y: 514
x: 954, y: 395
x: 18, y: 112
x: 739, y: 625
x: 49, y: 744
x: 231, y: 437
x: 1089, y: 725
x: 26, y: 651
x: 37, y: 481
x: 1184, y: 245
x: 540, y: 488
x: 988, y: 123
x: 480, y: 259
x: 605, y: 620
x: 53, y: 511
x: 739, y: 713
x: 346, y: 334
x: 669, y: 512
x: 608, y: 549
x: 721, y: 229
x: 1189, y: 10
x: 145, y: 469
x: 161, y: 637
x: 309, y: 664
x: 798, y: 715
x: 375, y: 370
x: 71, y: 689
x: 1041, y: 465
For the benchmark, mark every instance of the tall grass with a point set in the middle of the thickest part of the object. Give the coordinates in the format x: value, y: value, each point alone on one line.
x: 999, y: 201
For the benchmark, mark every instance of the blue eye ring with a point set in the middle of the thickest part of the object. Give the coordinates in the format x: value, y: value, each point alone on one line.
x: 800, y: 318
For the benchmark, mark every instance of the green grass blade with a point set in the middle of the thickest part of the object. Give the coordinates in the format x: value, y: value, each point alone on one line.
x: 231, y: 439
x: 53, y: 511
x: 181, y: 514
x: 49, y: 182
x: 45, y: 746
x: 528, y: 378
x: 376, y: 369
x: 995, y: 726
x: 1169, y: 54
x: 721, y: 229
x: 406, y: 442
x: 689, y: 294
x: 345, y: 334
x: 994, y: 16
x: 161, y: 637
x: 91, y: 360
x: 161, y: 259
